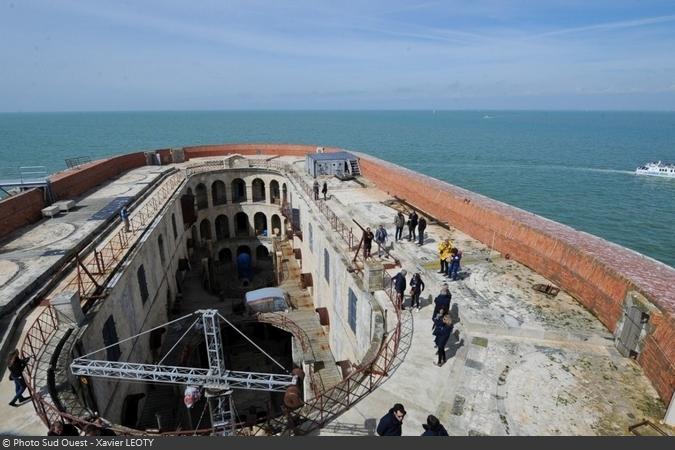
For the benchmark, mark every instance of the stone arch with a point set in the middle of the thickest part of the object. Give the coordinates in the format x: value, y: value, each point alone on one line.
x: 202, y: 197
x: 275, y: 193
x: 238, y: 191
x: 222, y: 227
x: 218, y: 194
x: 225, y: 256
x: 242, y: 225
x: 276, y: 223
x: 262, y: 253
x: 258, y: 190
x: 260, y: 224
x: 243, y: 249
x: 205, y: 229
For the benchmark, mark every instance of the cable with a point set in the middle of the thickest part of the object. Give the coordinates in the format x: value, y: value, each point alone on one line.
x: 254, y: 344
x: 178, y: 341
x: 137, y: 335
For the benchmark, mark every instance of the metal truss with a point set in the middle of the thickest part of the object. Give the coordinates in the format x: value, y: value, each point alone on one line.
x: 228, y: 379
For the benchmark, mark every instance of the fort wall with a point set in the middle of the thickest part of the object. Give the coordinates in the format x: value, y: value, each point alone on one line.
x: 20, y: 210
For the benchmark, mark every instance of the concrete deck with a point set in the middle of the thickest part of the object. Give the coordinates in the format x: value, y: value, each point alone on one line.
x: 524, y: 364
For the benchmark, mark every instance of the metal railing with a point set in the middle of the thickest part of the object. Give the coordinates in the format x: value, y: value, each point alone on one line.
x: 73, y: 163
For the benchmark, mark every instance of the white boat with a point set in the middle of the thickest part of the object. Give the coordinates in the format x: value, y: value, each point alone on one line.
x: 657, y: 169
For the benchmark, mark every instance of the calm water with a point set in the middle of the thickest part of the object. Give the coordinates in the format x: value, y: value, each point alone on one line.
x: 572, y: 167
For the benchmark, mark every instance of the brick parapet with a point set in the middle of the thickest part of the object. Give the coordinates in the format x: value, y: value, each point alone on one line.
x: 20, y: 210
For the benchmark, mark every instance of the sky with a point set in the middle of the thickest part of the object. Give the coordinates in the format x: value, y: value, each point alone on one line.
x: 96, y: 55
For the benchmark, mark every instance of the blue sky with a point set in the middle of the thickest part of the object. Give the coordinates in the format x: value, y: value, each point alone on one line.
x: 68, y: 55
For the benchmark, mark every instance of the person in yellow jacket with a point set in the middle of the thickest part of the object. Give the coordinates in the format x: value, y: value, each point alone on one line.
x: 444, y: 248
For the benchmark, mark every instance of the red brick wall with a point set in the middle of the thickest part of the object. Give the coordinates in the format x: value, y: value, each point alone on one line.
x: 20, y: 210
x: 251, y: 149
x: 72, y: 183
x: 596, y: 272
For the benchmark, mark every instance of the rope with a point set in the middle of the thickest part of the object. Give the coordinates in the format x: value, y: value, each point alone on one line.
x: 137, y: 335
x: 178, y: 341
x: 253, y: 343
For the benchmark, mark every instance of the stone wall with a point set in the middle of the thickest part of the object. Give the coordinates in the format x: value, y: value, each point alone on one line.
x: 130, y: 314
x: 20, y: 210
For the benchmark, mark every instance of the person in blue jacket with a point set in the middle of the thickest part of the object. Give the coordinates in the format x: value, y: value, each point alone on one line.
x: 453, y: 267
x: 433, y: 427
x: 442, y: 330
x: 391, y: 424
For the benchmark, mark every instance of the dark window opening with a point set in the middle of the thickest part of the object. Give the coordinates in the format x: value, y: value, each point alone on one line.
x: 142, y: 284
x: 109, y: 338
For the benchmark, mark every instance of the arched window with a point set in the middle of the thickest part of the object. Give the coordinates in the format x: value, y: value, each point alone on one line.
x: 160, y: 244
x: 142, y: 283
x: 261, y: 252
x: 260, y: 224
x: 225, y: 256
x: 258, y: 190
x: 241, y: 225
x: 284, y: 194
x: 275, y: 194
x: 218, y: 195
x: 222, y: 227
x: 238, y: 191
x: 352, y: 310
x: 202, y: 197
x: 173, y: 225
x: 205, y: 229
x: 311, y: 238
x: 326, y: 265
x: 276, y: 224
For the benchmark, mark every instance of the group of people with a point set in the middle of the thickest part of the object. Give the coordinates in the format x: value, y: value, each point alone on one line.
x: 450, y: 258
x: 399, y: 283
x: 380, y: 237
x: 442, y: 326
x: 324, y: 190
x: 414, y: 223
x: 391, y: 424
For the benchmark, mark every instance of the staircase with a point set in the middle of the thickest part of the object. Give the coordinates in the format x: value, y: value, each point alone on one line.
x: 355, y: 167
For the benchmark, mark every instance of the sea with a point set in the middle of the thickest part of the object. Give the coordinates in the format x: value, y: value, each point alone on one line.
x: 573, y: 167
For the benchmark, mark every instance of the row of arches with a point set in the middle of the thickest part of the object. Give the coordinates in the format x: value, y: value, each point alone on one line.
x: 225, y: 255
x: 241, y: 226
x: 239, y: 192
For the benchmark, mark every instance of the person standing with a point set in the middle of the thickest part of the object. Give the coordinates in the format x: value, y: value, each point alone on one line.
x: 421, y: 227
x: 315, y: 188
x: 16, y: 365
x: 453, y: 268
x: 399, y: 221
x: 412, y: 226
x: 391, y: 424
x: 442, y: 331
x: 443, y: 254
x: 124, y: 215
x: 324, y: 190
x: 416, y: 288
x: 433, y: 427
x: 367, y: 243
x: 442, y: 302
x: 380, y: 238
x: 399, y: 283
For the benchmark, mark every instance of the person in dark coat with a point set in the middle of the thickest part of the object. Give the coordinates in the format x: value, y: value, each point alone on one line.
x: 368, y: 237
x: 453, y: 267
x: 381, y: 239
x: 420, y: 228
x: 324, y: 190
x: 58, y: 428
x: 416, y: 288
x: 16, y: 365
x: 399, y: 283
x: 412, y: 225
x: 391, y: 424
x: 399, y: 221
x: 442, y: 301
x: 315, y: 189
x: 442, y: 331
x: 433, y: 427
